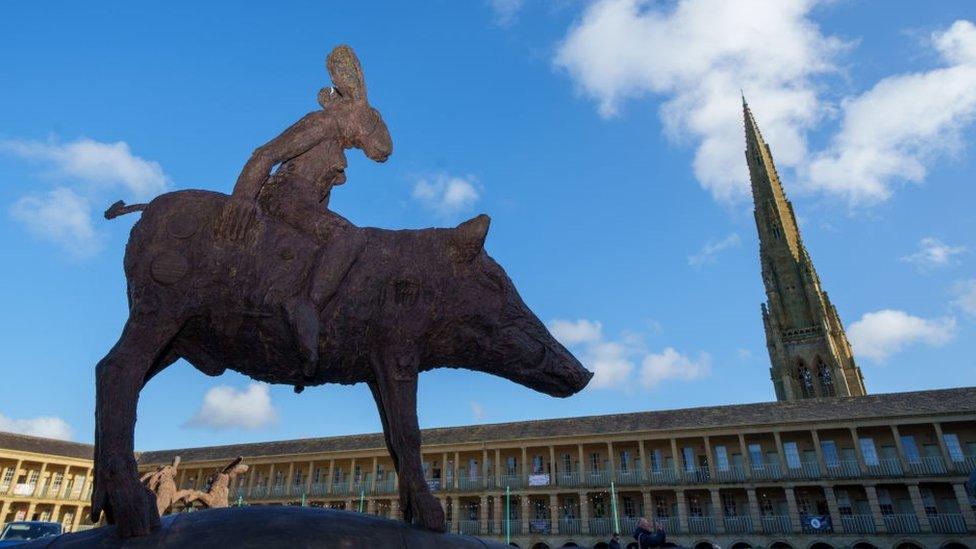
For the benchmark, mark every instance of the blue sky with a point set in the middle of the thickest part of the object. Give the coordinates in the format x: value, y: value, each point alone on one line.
x: 604, y: 138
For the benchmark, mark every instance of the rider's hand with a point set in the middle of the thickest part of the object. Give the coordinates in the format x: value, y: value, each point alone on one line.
x: 236, y: 218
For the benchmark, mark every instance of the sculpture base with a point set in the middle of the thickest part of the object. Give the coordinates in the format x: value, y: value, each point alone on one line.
x: 270, y: 526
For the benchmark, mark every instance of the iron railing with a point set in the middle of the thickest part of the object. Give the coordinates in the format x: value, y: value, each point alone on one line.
x: 858, y: 524
x: 948, y: 523
x: 888, y: 467
x: 766, y: 471
x: 570, y: 526
x: 776, y: 524
x: 901, y: 524
x: 600, y: 526
x: 847, y: 468
x: 469, y: 527
x: 735, y: 473
x: 701, y: 525
x: 804, y: 470
x: 738, y: 525
x: 928, y: 466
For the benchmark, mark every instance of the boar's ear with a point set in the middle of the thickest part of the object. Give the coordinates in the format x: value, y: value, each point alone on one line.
x: 468, y: 238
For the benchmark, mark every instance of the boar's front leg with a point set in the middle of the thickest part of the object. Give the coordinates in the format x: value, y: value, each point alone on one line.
x: 396, y: 399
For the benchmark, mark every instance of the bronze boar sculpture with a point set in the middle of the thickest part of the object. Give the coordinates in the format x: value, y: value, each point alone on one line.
x: 271, y: 284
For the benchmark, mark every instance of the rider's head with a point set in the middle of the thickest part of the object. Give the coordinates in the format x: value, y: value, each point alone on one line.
x: 360, y: 125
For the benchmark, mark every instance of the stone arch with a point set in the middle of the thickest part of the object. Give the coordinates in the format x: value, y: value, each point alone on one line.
x: 741, y: 545
x: 601, y: 545
x: 704, y: 544
x: 633, y: 545
x: 780, y: 544
x: 907, y: 544
x: 820, y: 545
x: 570, y: 544
x: 865, y: 545
x: 541, y: 545
x: 804, y: 379
x: 954, y: 544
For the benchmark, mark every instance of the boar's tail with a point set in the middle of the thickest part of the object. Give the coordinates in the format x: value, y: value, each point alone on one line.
x: 119, y: 208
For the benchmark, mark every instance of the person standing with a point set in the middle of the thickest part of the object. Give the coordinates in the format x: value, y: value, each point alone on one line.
x: 649, y: 535
x: 615, y: 541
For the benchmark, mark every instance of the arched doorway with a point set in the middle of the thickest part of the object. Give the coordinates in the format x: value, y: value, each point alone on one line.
x: 908, y: 545
x: 704, y: 545
x: 865, y: 545
x: 780, y: 545
x: 954, y: 545
x: 741, y: 545
x: 821, y: 545
x: 570, y: 544
x: 540, y: 545
x: 601, y: 545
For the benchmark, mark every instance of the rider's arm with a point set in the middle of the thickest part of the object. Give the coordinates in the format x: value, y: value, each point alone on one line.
x: 300, y: 137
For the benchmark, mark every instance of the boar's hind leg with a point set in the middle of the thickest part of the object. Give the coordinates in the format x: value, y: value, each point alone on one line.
x: 397, y: 403
x: 119, y: 377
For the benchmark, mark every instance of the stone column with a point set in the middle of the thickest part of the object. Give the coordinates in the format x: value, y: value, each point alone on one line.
x: 4, y: 509
x: 554, y: 513
x: 793, y: 509
x: 682, y: 505
x: 746, y: 458
x: 552, y: 467
x: 834, y: 509
x: 251, y: 473
x: 30, y: 511
x: 289, y: 481
x: 328, y: 481
x: 525, y: 469
x: 13, y: 482
x: 582, y: 465
x: 645, y: 466
x: 444, y: 486
x: 524, y: 503
x: 875, y: 505
x: 754, y: 512
x: 40, y: 480
x: 308, y: 481
x: 498, y: 469
x: 395, y: 508
x: 902, y: 456
x: 919, y: 506
x: 857, y: 451
x: 271, y: 480
x: 584, y: 513
x: 718, y: 510
x: 77, y: 520
x: 457, y: 471
x: 820, y: 456
x: 783, y: 466
x: 372, y: 482
x: 950, y: 465
x: 676, y: 457
x: 484, y: 469
x: 710, y: 457
x: 483, y: 513
x: 965, y: 508
x: 497, y: 516
x: 648, y: 505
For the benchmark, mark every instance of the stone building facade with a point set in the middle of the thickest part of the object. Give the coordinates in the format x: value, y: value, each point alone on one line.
x: 883, y: 471
x: 44, y: 479
x: 808, y: 348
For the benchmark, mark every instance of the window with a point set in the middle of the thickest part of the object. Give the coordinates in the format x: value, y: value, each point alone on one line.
x: 337, y: 474
x: 869, y: 452
x: 826, y: 379
x: 953, y: 447
x: 569, y: 507
x: 624, y: 460
x: 511, y: 466
x: 912, y: 454
x: 8, y: 477
x: 756, y: 456
x: 472, y: 468
x: 358, y: 474
x: 694, y: 506
x: 599, y: 508
x: 537, y: 465
x: 829, y: 448
x: 380, y: 472
x: 56, y: 480
x: 298, y: 477
x: 721, y: 458
x: 541, y: 509
x: 884, y: 501
x: 317, y: 476
x: 661, y: 507
x: 728, y: 505
x: 567, y: 463
x: 765, y: 504
x: 844, y: 503
x: 928, y: 501
x: 688, y: 453
x: 805, y: 379
x: 279, y: 477
x: 656, y: 461
x: 792, y: 455
x: 595, y: 462
x: 630, y: 510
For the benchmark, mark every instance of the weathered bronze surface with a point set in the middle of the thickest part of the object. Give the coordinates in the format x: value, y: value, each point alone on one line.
x: 268, y: 528
x: 270, y: 283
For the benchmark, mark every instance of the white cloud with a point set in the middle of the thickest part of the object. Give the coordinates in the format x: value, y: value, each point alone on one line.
x: 933, y: 253
x: 446, y: 194
x: 711, y: 249
x: 883, y: 333
x: 570, y: 332
x: 225, y: 407
x: 505, y: 10
x: 101, y: 164
x: 625, y: 363
x: 965, y: 291
x: 47, y: 427
x: 60, y: 216
x: 699, y: 54
x: 891, y: 132
x: 477, y: 411
x: 670, y: 364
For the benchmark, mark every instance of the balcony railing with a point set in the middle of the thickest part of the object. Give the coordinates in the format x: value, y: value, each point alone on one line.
x: 735, y: 473
x: 470, y: 484
x: 599, y: 526
x: 385, y: 486
x: 776, y: 524
x: 340, y: 488
x: 278, y: 490
x: 629, y: 477
x: 669, y: 524
x: 514, y: 526
x: 858, y: 524
x: 469, y: 527
x: 598, y: 478
x: 512, y: 481
x: 701, y: 525
x: 540, y: 526
x: 695, y: 475
x: 628, y: 525
x: 570, y: 526
x: 967, y: 465
x: 804, y: 470
x: 901, y: 524
x: 665, y: 475
x: 570, y: 478
x: 888, y: 467
x: 318, y: 489
x: 738, y: 525
x: 766, y: 471
x: 948, y: 523
x: 847, y: 468
x: 928, y: 466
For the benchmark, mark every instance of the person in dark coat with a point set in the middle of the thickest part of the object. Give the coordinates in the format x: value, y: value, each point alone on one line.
x: 649, y: 535
x: 615, y: 541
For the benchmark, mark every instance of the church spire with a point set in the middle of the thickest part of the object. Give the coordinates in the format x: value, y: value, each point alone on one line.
x: 808, y: 348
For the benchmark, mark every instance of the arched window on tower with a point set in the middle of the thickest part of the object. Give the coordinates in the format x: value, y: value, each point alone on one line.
x: 805, y: 379
x: 826, y: 379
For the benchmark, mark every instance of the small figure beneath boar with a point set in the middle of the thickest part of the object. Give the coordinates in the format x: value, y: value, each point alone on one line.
x: 272, y: 284
x: 217, y: 494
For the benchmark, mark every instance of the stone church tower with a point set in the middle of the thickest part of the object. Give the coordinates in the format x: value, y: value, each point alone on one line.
x: 808, y: 348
